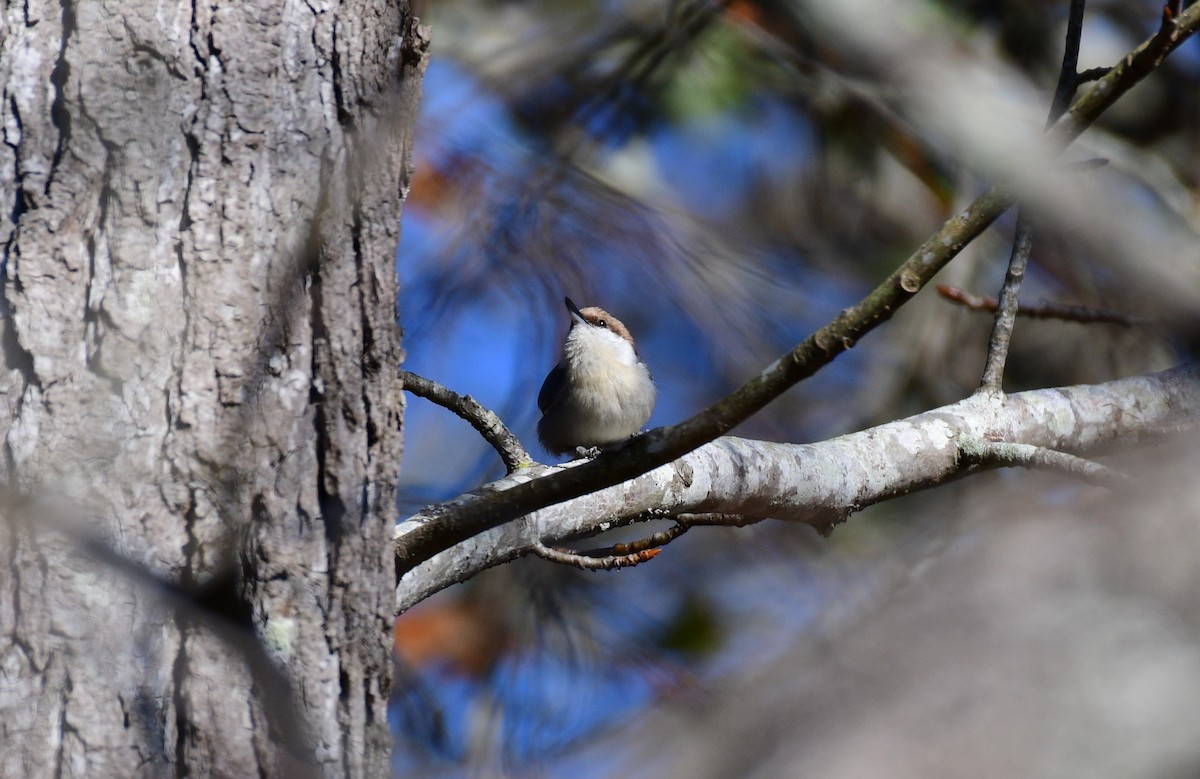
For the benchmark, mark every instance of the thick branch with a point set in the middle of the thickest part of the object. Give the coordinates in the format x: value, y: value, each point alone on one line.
x: 820, y: 483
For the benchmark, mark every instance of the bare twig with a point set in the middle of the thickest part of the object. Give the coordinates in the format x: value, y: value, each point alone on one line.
x: 587, y: 563
x: 977, y: 452
x: 652, y: 541
x: 1006, y: 311
x: 1060, y: 311
x: 629, y: 554
x: 483, y: 420
x: 1121, y: 77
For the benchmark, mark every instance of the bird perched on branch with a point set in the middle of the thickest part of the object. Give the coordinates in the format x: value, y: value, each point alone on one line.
x: 600, y: 392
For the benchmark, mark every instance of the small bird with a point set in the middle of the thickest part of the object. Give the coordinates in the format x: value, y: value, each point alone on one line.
x: 600, y: 392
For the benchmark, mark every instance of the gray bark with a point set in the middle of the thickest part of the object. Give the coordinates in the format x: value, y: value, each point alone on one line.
x: 200, y: 215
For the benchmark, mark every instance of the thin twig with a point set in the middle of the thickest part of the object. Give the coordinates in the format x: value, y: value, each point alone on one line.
x: 483, y: 420
x: 683, y: 523
x: 652, y: 541
x: 1059, y: 311
x: 1006, y: 311
x: 998, y: 454
x: 632, y: 553
x: 586, y: 563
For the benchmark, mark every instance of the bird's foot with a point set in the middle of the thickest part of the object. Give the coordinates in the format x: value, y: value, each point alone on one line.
x: 587, y: 452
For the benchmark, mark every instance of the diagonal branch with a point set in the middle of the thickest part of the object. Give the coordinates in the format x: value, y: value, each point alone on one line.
x: 485, y: 421
x: 1122, y: 77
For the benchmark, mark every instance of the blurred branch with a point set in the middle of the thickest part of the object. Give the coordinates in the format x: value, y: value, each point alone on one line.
x: 822, y: 483
x: 457, y: 521
x: 570, y: 119
x: 485, y: 421
x: 683, y: 523
x: 1066, y: 313
x: 683, y: 26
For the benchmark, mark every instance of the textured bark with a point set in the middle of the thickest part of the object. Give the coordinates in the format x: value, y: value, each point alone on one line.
x: 200, y: 214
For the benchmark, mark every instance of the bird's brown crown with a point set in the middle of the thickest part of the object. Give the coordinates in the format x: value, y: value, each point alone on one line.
x: 598, y: 317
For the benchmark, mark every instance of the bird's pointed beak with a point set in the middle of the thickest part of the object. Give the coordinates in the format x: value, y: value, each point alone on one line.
x: 576, y: 316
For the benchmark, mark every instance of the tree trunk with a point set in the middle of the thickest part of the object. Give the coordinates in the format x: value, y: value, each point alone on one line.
x: 201, y: 416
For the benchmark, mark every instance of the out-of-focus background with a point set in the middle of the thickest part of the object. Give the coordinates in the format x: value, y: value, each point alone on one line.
x: 724, y: 178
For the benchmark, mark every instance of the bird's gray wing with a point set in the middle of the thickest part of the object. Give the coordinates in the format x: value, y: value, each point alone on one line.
x: 552, y: 386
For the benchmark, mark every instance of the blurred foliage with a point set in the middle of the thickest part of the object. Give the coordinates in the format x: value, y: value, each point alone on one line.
x: 724, y: 177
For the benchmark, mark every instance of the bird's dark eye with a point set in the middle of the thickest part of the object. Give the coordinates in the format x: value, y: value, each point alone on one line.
x: 601, y: 323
